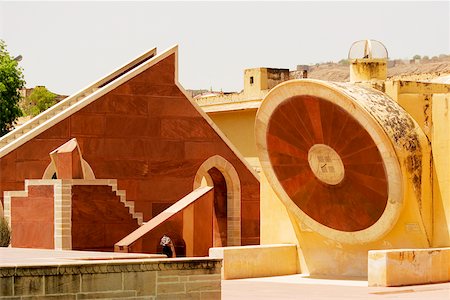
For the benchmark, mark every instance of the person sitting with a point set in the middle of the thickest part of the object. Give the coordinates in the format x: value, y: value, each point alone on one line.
x: 167, y: 246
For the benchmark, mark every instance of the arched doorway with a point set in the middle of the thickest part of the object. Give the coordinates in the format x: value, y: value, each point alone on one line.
x: 220, y: 223
x: 218, y: 172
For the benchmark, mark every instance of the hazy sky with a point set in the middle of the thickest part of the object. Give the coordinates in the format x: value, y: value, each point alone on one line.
x: 67, y: 45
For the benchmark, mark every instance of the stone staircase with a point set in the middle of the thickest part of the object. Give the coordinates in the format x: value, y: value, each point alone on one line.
x: 44, y: 116
x: 40, y: 121
x: 127, y: 203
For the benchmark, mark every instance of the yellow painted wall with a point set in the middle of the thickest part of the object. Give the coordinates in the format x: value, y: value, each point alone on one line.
x: 419, y: 226
x: 239, y: 127
x: 441, y: 165
x: 428, y: 104
x: 257, y: 261
x: 368, y: 69
x: 319, y: 255
x: 259, y: 80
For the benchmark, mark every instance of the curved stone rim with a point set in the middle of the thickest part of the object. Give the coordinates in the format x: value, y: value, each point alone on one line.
x: 394, y: 175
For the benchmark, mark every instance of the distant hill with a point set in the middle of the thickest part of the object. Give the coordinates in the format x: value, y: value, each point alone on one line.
x: 419, y: 69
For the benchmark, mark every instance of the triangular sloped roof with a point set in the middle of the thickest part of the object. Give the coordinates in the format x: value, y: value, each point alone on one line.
x: 98, y: 89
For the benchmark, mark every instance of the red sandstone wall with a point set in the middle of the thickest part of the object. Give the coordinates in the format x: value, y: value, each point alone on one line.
x: 33, y: 218
x: 203, y: 224
x: 99, y: 219
x: 146, y: 134
x: 173, y: 227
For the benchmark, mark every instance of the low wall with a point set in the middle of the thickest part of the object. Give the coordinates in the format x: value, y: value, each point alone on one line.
x: 408, y: 266
x: 128, y: 279
x: 32, y: 217
x: 257, y: 261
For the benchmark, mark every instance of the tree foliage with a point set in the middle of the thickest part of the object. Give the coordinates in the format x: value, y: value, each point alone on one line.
x: 417, y: 56
x: 5, y: 233
x: 344, y: 62
x: 39, y: 100
x: 11, y: 81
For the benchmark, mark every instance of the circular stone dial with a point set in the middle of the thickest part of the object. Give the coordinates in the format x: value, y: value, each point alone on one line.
x: 307, y: 139
x: 326, y: 164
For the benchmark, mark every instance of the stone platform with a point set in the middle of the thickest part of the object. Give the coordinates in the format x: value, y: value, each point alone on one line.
x: 50, y: 274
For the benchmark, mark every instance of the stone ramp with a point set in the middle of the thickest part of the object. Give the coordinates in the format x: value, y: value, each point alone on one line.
x: 125, y: 244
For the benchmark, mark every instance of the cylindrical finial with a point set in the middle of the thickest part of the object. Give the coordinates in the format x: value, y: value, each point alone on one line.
x: 368, y: 61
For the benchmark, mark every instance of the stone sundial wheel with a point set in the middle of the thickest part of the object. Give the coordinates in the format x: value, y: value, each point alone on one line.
x: 327, y: 150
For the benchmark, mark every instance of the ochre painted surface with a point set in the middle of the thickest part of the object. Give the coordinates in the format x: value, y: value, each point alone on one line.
x: 408, y: 266
x: 99, y: 219
x: 428, y: 104
x: 301, y: 122
x: 239, y: 127
x: 148, y: 136
x: 368, y: 69
x: 32, y: 218
x: 257, y: 261
x: 331, y: 251
x: 441, y: 165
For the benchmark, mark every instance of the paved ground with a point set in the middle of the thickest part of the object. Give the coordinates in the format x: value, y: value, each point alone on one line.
x: 280, y: 287
x: 301, y: 287
x: 21, y: 256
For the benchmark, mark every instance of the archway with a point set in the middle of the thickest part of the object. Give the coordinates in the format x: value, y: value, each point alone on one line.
x: 220, y: 222
x: 218, y: 172
x: 50, y: 171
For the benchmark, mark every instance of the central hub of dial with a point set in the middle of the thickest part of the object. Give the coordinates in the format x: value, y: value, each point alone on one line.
x: 326, y: 164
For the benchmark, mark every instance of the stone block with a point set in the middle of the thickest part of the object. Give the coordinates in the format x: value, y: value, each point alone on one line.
x: 101, y: 282
x: 87, y: 125
x: 190, y: 128
x: 143, y: 282
x: 204, y: 277
x: 217, y: 295
x: 162, y: 279
x: 189, y: 272
x: 257, y: 261
x: 58, y: 131
x: 6, y: 286
x: 170, y: 288
x: 51, y: 297
x: 28, y: 285
x: 191, y: 296
x: 106, y: 295
x: 203, y: 286
x: 400, y: 267
x: 62, y: 284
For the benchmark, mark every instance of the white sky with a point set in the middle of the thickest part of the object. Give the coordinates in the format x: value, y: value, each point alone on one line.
x: 67, y: 45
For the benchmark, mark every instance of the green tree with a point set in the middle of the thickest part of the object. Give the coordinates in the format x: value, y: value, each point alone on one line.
x: 5, y: 233
x: 417, y: 56
x: 344, y: 62
x: 39, y: 100
x: 11, y: 81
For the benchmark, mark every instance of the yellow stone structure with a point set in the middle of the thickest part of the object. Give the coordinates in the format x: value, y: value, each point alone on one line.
x: 235, y: 113
x: 407, y: 121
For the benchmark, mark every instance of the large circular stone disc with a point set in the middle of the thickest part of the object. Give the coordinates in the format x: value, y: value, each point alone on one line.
x: 327, y: 163
x: 329, y: 159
